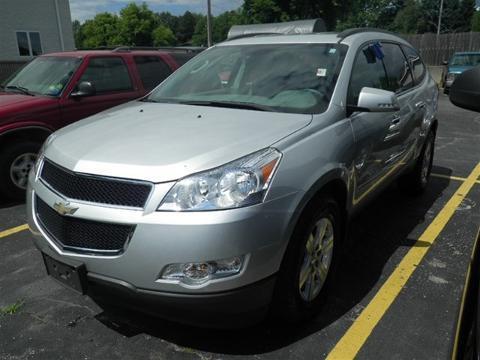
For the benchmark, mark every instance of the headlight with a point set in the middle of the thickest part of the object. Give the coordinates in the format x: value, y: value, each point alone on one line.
x: 240, y: 183
x: 451, y: 76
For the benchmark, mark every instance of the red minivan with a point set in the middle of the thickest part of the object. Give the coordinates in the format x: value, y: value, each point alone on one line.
x: 57, y: 89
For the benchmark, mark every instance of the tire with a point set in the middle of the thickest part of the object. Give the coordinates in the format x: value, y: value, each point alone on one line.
x: 415, y: 182
x: 21, y: 156
x: 291, y: 302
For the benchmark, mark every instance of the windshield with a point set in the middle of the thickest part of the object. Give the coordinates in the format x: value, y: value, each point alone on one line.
x: 46, y: 75
x: 294, y: 78
x: 466, y: 60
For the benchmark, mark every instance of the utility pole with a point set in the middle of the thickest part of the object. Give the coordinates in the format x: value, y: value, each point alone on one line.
x: 209, y: 22
x: 439, y: 27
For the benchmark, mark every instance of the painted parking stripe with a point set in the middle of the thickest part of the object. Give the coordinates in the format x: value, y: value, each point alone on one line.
x: 456, y: 178
x: 353, y: 340
x: 12, y: 231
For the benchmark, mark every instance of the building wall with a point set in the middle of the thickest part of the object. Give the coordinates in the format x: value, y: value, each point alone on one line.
x: 34, y: 15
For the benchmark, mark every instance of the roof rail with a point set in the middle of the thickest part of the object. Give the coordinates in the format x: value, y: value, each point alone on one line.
x: 290, y: 27
x: 124, y: 48
x: 349, y: 32
x: 186, y: 49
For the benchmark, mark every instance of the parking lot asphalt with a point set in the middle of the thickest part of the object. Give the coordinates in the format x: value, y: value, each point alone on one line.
x: 397, y: 294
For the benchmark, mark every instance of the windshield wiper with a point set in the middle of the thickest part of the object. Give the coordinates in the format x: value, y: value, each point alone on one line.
x: 228, y: 104
x: 22, y: 89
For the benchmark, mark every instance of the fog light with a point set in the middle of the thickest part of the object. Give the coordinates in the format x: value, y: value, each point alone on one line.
x: 201, y: 272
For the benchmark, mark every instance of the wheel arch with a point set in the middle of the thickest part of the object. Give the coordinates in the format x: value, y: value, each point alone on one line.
x: 333, y: 183
x: 34, y: 133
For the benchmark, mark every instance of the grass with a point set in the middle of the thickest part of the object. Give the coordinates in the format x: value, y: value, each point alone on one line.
x: 11, y: 309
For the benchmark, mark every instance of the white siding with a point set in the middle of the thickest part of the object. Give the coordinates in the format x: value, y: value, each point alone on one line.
x: 34, y: 15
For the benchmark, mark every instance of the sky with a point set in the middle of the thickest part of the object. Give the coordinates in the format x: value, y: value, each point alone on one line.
x: 86, y: 9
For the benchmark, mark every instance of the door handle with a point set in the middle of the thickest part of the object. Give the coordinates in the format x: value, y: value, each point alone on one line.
x: 394, y: 123
x: 420, y: 105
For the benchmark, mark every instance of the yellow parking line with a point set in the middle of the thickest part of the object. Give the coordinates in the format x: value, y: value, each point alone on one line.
x: 352, y: 341
x: 456, y: 178
x: 12, y: 231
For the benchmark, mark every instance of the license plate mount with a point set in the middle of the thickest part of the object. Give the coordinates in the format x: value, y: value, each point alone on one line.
x: 73, y: 276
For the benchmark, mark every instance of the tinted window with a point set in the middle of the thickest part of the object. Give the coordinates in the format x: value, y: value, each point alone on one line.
x: 416, y: 64
x: 398, y: 71
x: 107, y: 74
x: 22, y: 42
x: 465, y: 60
x: 152, y: 70
x: 182, y: 57
x: 35, y: 43
x: 367, y: 71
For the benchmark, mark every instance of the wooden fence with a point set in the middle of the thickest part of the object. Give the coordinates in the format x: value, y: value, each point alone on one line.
x: 435, y: 50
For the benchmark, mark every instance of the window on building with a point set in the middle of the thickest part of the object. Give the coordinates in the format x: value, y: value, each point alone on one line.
x: 29, y: 43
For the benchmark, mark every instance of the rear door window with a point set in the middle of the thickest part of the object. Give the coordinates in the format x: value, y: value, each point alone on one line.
x: 416, y: 63
x: 108, y: 74
x: 152, y: 70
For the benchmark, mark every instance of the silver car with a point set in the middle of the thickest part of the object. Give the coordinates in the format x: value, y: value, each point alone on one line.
x: 225, y: 194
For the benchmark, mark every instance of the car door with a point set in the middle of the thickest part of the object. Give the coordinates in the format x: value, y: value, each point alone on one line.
x: 113, y: 83
x: 405, y: 126
x: 424, y: 96
x: 375, y: 133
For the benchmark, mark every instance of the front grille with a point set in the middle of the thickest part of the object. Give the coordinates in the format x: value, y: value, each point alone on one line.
x: 95, y: 189
x: 81, y: 235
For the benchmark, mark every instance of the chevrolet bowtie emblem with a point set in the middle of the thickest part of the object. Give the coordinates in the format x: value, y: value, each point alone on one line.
x: 64, y: 209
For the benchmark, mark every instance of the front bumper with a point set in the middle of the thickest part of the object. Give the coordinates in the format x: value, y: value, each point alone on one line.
x: 237, y: 308
x: 161, y: 238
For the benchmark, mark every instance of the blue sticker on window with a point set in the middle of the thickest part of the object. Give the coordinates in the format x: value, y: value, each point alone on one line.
x: 377, y: 50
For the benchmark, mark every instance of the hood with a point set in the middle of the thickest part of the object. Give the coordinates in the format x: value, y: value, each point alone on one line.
x: 7, y: 99
x: 459, y: 69
x: 13, y: 104
x: 165, y: 142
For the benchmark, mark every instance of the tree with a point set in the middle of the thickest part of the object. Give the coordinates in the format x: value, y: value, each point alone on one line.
x: 102, y: 30
x: 456, y: 16
x: 476, y: 21
x: 167, y: 19
x: 370, y: 13
x: 406, y: 20
x: 136, y: 25
x: 262, y: 11
x: 186, y: 27
x: 221, y: 25
x: 163, y: 36
x: 77, y: 34
x: 199, y: 38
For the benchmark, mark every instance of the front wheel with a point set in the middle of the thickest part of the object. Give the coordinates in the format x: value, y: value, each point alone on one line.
x: 16, y: 160
x: 309, y: 263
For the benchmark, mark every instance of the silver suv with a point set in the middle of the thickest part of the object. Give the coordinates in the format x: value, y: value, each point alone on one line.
x: 226, y: 192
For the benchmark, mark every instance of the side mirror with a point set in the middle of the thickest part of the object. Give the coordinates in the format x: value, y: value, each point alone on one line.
x: 465, y: 90
x: 377, y: 100
x: 85, y: 88
x: 445, y: 62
